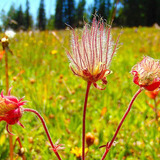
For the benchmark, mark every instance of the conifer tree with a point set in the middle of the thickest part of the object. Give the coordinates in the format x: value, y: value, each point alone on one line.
x: 70, y: 12
x: 20, y: 18
x: 51, y: 22
x: 140, y: 12
x: 4, y: 19
x: 95, y: 7
x: 80, y: 13
x: 102, y: 8
x: 41, y: 16
x: 108, y: 8
x: 151, y: 12
x: 59, y: 15
x: 27, y: 16
x: 12, y: 17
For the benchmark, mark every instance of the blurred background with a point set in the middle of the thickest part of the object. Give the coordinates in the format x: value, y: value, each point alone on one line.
x: 55, y: 14
x: 39, y: 70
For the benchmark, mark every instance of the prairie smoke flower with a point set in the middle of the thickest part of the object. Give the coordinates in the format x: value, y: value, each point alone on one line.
x: 91, y: 56
x: 147, y: 73
x: 10, y: 109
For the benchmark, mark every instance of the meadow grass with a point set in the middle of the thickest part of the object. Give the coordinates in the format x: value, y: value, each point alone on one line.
x: 39, y: 70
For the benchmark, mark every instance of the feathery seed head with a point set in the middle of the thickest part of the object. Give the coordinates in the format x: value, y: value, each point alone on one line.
x: 91, y: 56
x: 147, y: 73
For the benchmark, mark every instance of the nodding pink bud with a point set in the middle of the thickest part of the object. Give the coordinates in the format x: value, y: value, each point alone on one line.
x: 13, y: 116
x: 11, y: 109
x: 147, y: 73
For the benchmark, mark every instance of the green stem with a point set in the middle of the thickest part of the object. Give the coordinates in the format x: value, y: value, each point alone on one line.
x: 7, y: 88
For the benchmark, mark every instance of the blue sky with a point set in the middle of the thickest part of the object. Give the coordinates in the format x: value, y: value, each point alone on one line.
x: 34, y: 4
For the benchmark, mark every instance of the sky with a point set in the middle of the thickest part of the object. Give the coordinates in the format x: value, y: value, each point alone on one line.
x: 50, y: 6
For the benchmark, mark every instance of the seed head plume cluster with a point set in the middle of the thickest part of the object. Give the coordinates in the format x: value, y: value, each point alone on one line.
x: 91, y: 55
x: 147, y: 73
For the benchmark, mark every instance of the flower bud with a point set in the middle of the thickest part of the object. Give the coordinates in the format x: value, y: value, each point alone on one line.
x: 11, y: 109
x: 89, y: 139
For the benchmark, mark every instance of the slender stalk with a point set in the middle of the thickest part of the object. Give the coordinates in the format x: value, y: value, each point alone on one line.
x: 7, y: 87
x: 45, y: 128
x: 6, y: 70
x: 84, y: 120
x: 20, y: 145
x: 108, y: 146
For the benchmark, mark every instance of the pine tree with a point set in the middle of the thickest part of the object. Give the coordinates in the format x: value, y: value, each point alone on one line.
x: 151, y: 12
x: 134, y: 12
x: 27, y: 16
x: 108, y: 8
x: 102, y: 9
x: 59, y: 15
x: 41, y: 16
x: 20, y: 18
x: 4, y: 19
x: 140, y: 12
x: 51, y: 22
x: 70, y: 12
x: 80, y: 13
x: 12, y: 17
x: 158, y: 12
x: 95, y: 7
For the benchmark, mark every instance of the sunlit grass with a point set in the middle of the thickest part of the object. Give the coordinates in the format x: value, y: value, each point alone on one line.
x: 39, y: 69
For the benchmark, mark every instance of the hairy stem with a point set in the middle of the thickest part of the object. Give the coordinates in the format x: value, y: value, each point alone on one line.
x: 45, y: 128
x: 84, y: 120
x: 6, y: 70
x: 21, y: 147
x: 108, y: 146
x: 7, y: 87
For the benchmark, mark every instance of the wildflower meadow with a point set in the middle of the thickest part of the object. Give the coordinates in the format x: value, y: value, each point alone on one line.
x: 53, y: 70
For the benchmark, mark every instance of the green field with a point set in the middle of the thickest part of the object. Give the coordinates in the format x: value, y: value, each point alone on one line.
x: 39, y: 70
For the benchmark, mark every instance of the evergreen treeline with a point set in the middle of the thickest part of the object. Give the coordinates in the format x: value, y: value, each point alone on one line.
x: 139, y: 12
x: 128, y: 13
